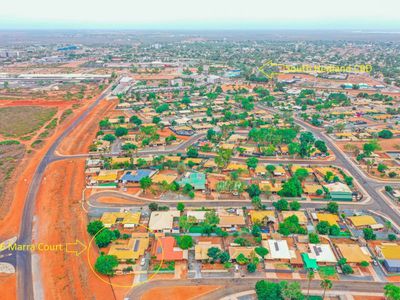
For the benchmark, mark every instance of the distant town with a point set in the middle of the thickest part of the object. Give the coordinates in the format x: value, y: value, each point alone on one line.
x: 199, y: 166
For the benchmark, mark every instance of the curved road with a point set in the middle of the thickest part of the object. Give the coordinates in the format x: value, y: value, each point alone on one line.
x: 24, y: 258
x: 234, y: 285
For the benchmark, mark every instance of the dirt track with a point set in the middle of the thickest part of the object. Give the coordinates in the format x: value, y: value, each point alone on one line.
x: 62, y: 220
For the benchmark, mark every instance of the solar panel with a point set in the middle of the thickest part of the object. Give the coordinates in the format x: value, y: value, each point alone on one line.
x: 136, y: 247
x: 317, y: 250
x: 276, y: 246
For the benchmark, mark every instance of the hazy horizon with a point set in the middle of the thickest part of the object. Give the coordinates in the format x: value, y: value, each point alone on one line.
x: 201, y: 15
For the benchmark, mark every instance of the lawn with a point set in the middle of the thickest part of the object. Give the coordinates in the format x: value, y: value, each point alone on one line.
x: 11, y: 154
x: 327, y: 271
x: 20, y: 120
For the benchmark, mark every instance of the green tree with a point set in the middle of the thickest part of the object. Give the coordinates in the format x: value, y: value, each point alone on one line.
x: 156, y: 120
x: 109, y: 138
x: 106, y: 264
x: 334, y: 230
x: 301, y: 174
x: 135, y: 120
x: 310, y: 276
x: 256, y: 201
x: 323, y: 227
x: 120, y: 131
x: 185, y: 242
x: 369, y: 234
x: 321, y: 146
x: 224, y: 257
x: 253, y: 190
x: 145, y: 183
x: 256, y: 231
x: 291, y: 188
x: 252, y: 162
x: 94, y: 227
x: 385, y: 134
x: 281, y: 205
x: 392, y: 292
x: 213, y: 253
x: 153, y: 206
x: 261, y: 251
x: 267, y: 290
x: 192, y: 152
x: 295, y: 205
x: 104, y: 238
x: 364, y: 264
x: 292, y: 291
x: 313, y: 238
x: 326, y: 284
x: 251, y: 267
x: 241, y: 259
x: 333, y: 207
x: 180, y: 206
x: 347, y: 269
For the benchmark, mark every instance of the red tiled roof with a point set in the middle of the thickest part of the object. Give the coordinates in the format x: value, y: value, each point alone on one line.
x: 167, y: 251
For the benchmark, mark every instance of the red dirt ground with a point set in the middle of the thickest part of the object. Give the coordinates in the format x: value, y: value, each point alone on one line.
x: 82, y: 136
x: 9, y: 224
x: 178, y: 292
x: 37, y: 102
x: 368, y: 298
x: 60, y: 194
x: 8, y: 287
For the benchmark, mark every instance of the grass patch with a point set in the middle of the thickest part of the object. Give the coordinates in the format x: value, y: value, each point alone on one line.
x: 21, y: 120
x: 52, y: 124
x: 327, y: 271
x: 10, y: 154
x: 10, y: 142
x: 44, y: 134
x: 167, y: 266
x: 36, y: 143
x: 65, y: 114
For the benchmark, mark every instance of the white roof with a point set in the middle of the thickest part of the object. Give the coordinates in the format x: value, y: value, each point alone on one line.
x: 322, y: 253
x: 160, y: 220
x: 200, y: 215
x: 278, y: 249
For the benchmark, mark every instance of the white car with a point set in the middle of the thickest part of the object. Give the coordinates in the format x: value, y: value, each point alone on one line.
x: 143, y: 261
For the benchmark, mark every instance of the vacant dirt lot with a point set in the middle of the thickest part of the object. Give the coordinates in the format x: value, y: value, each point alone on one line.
x: 61, y: 219
x: 17, y: 121
x: 10, y: 156
x: 178, y: 292
x: 82, y: 136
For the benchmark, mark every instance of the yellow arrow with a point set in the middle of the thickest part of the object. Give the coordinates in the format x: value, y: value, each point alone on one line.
x: 77, y: 247
x: 266, y: 74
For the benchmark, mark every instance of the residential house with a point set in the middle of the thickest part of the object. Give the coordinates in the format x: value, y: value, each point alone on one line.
x: 164, y: 221
x: 127, y: 219
x: 130, y: 249
x: 166, y: 249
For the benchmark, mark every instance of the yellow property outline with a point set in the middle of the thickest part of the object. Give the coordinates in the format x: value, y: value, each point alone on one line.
x: 121, y: 285
x: 358, y: 68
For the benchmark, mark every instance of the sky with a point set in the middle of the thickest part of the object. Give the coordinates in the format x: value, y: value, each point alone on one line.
x: 200, y: 14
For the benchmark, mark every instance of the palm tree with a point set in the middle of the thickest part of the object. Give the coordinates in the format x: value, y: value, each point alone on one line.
x: 326, y: 284
x: 310, y: 276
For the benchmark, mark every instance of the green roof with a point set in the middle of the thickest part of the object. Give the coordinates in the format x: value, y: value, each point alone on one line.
x: 197, y: 180
x: 341, y: 196
x: 309, y: 263
x: 108, y: 184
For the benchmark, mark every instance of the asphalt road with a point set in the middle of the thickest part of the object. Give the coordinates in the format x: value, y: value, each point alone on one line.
x: 24, y: 258
x: 235, y: 285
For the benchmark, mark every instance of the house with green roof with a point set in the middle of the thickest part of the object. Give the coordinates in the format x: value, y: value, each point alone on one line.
x: 195, y: 179
x: 309, y: 263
